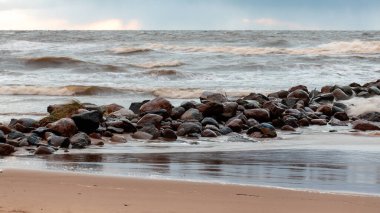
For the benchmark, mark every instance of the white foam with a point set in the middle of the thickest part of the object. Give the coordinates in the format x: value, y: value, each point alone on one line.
x: 332, y: 48
x: 359, y: 106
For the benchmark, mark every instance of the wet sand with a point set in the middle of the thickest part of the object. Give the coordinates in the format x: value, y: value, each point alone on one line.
x: 34, y: 191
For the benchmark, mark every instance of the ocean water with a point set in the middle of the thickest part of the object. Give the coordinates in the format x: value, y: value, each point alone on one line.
x: 38, y: 68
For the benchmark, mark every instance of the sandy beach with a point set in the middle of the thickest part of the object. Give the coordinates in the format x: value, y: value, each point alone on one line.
x: 35, y: 191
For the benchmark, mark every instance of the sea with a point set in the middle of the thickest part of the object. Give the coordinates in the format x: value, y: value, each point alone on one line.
x: 40, y: 68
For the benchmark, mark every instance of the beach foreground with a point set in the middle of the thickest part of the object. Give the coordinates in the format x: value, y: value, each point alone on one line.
x: 35, y: 191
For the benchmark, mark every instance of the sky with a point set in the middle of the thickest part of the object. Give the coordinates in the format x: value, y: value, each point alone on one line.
x: 189, y: 14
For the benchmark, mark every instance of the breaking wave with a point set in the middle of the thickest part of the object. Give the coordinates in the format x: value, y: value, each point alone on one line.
x: 332, y: 48
x: 67, y: 62
x: 163, y: 72
x: 76, y: 90
x: 152, y: 65
x: 130, y: 50
x: 357, y: 106
x: 71, y: 90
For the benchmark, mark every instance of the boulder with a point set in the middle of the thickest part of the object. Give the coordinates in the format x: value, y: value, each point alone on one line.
x: 6, y: 149
x: 326, y: 110
x: 261, y: 115
x: 118, y: 139
x: 33, y: 139
x: 152, y: 130
x: 291, y: 121
x: 336, y: 122
x: 177, y: 112
x: 208, y: 133
x: 288, y: 128
x: 209, y: 121
x: 260, y: 98
x: 156, y: 105
x: 340, y: 95
x: 299, y: 87
x: 88, y: 122
x: 235, y: 125
x: 5, y: 129
x: 370, y: 116
x: 142, y: 135
x: 229, y: 109
x: 304, y: 122
x: 80, y: 140
x: 263, y: 130
x: 15, y: 134
x: 364, y: 125
x: 26, y: 122
x: 168, y: 135
x: 275, y: 109
x: 373, y: 90
x: 189, y: 104
x: 124, y: 113
x: 135, y: 106
x: 111, y: 108
x: 189, y: 128
x: 58, y: 141
x: 65, y: 127
x: 210, y: 109
x: 225, y: 130
x: 212, y: 97
x: 299, y: 94
x: 342, y: 116
x: 150, y: 119
x: 192, y: 115
x: 44, y: 150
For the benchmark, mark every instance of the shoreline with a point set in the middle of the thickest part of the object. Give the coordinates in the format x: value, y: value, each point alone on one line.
x: 192, y: 181
x: 114, y: 194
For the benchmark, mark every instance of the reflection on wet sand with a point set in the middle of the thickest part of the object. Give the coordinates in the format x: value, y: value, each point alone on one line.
x: 318, y: 169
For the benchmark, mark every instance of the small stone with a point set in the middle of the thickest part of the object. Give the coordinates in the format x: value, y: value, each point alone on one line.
x: 118, y: 139
x: 208, y: 133
x: 288, y: 128
x: 44, y: 150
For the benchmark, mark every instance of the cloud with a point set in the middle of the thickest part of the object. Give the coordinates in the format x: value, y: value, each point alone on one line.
x: 273, y: 24
x: 109, y: 24
x: 23, y: 19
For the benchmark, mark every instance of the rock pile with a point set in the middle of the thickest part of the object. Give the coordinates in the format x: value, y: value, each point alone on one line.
x: 75, y: 125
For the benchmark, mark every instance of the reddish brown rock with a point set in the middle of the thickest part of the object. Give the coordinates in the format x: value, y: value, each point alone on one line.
x: 168, y: 135
x: 208, y: 133
x: 325, y: 109
x: 210, y: 109
x: 6, y: 149
x: 299, y: 95
x: 235, y: 124
x: 65, y: 127
x: 156, y: 105
x: 364, y: 125
x: 261, y: 115
x: 142, y: 135
x: 212, y: 97
x: 150, y: 119
x: 288, y: 128
x: 112, y: 108
x: 44, y: 150
x: 341, y: 116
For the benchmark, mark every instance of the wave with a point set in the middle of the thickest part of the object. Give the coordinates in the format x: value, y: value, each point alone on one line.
x: 163, y: 72
x: 77, y: 90
x: 67, y: 62
x: 332, y: 48
x: 51, y: 61
x: 71, y: 90
x: 130, y: 50
x: 152, y: 65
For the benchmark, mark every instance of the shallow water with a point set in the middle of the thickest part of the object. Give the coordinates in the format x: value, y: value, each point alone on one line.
x: 38, y: 68
x: 330, y: 162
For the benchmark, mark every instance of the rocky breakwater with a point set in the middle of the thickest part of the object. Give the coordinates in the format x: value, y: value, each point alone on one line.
x: 79, y: 125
